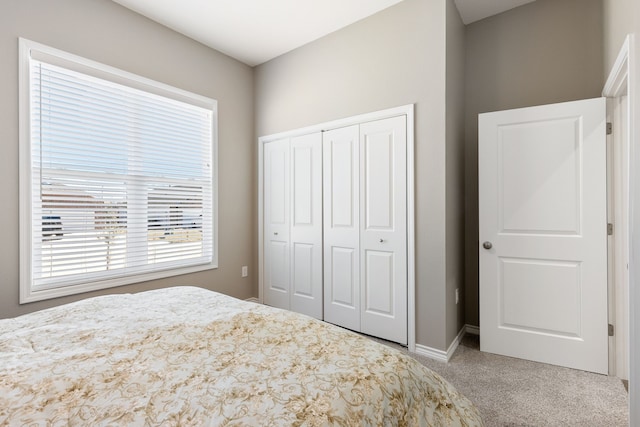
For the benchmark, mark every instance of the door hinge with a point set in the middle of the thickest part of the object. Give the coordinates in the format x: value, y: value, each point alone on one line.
x: 609, y: 128
x: 610, y: 330
x: 609, y: 229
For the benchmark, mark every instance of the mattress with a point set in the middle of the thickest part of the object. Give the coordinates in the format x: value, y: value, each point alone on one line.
x: 188, y: 356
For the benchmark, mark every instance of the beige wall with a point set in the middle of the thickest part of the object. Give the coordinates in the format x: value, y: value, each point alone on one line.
x: 455, y: 171
x: 103, y: 31
x: 544, y: 52
x: 393, y: 58
x: 622, y: 17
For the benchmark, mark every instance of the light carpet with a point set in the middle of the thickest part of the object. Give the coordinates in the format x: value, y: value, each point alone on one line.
x: 518, y: 393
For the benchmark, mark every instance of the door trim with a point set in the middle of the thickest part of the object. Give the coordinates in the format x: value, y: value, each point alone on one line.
x: 406, y: 110
x: 615, y: 88
x: 621, y: 80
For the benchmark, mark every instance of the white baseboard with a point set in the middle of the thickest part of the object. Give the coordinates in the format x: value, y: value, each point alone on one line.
x: 454, y: 344
x: 253, y: 299
x: 473, y: 330
x: 441, y: 355
x: 445, y: 356
x: 431, y: 353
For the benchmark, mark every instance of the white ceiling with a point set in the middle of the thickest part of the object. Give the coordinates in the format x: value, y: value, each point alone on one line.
x: 255, y: 31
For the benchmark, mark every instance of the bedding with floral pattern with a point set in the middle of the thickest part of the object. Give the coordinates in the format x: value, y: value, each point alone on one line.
x: 186, y: 356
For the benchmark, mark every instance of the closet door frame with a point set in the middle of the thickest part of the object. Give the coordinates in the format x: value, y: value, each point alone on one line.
x: 406, y: 110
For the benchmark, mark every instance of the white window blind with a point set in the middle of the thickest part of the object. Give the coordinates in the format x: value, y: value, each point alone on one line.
x: 121, y: 180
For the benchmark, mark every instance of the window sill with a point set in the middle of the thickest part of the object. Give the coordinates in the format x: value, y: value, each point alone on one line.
x: 28, y: 294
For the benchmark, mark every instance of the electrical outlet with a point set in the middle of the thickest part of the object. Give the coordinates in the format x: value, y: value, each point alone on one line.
x: 245, y: 271
x: 457, y: 295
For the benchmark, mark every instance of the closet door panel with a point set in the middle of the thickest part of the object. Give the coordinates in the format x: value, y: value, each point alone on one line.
x: 344, y: 183
x: 341, y: 188
x: 276, y: 224
x: 306, y: 224
x: 303, y: 269
x: 383, y: 238
x: 343, y: 273
x: 378, y: 291
x: 378, y: 182
x: 278, y: 271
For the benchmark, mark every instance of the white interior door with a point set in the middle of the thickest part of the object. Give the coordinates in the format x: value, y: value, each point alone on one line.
x: 543, y: 253
x: 306, y: 224
x: 276, y: 224
x: 383, y: 225
x: 341, y: 184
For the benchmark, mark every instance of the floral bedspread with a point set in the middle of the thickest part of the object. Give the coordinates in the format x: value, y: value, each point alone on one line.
x: 188, y: 356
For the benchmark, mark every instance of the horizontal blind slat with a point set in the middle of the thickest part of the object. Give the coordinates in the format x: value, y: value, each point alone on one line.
x: 109, y: 92
x: 99, y: 207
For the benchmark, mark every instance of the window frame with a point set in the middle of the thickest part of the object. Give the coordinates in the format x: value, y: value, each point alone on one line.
x: 29, y: 50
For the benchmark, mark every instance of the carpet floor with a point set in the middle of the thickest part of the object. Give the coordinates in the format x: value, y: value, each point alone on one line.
x: 518, y: 393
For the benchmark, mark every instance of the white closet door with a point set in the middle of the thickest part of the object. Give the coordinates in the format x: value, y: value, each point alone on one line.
x: 306, y: 224
x: 276, y: 223
x: 383, y: 225
x: 341, y: 182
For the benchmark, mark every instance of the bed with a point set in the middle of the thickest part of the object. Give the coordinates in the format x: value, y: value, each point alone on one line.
x: 188, y: 356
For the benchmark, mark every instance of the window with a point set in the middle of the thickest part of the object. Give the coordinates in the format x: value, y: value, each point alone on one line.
x: 117, y: 181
